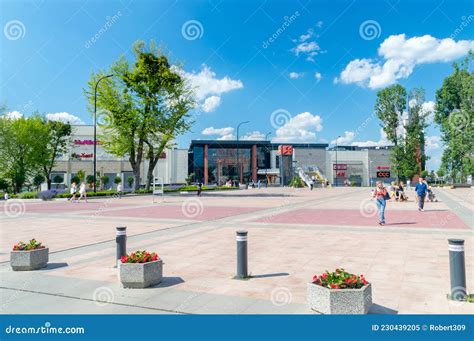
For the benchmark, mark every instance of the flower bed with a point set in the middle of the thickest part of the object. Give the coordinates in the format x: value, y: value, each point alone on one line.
x: 29, y: 256
x: 340, y: 292
x: 141, y: 269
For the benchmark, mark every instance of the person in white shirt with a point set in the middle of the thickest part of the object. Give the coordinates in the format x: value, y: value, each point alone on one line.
x: 82, y: 192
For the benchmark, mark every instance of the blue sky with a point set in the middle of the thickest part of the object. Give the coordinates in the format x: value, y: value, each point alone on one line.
x: 302, y: 70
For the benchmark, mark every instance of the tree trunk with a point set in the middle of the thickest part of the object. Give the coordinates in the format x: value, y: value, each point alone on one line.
x: 151, y: 166
x: 48, y: 181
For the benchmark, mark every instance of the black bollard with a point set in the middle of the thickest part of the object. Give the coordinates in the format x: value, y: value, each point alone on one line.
x: 457, y: 269
x: 242, y: 270
x: 121, y: 241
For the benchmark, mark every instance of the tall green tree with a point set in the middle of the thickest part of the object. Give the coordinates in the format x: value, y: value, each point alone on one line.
x: 455, y: 116
x: 142, y: 108
x: 21, y: 147
x: 57, y: 142
x: 389, y: 107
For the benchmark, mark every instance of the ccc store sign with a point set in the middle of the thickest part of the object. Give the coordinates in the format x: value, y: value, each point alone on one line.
x: 383, y: 174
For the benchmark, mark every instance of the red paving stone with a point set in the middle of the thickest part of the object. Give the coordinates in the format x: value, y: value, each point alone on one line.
x: 68, y: 207
x: 400, y: 218
x: 178, y: 212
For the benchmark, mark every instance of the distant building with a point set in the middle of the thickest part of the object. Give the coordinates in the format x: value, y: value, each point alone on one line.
x: 171, y: 168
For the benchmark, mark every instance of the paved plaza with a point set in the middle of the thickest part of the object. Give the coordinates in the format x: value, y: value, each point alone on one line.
x: 293, y: 234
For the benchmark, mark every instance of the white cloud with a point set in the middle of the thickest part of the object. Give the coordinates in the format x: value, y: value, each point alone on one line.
x: 13, y: 115
x: 428, y: 109
x: 318, y: 76
x: 226, y: 133
x: 295, y: 75
x: 300, y: 128
x: 306, y: 36
x: 64, y: 117
x: 207, y: 86
x: 380, y: 143
x: 211, y: 103
x: 319, y: 24
x: 253, y: 136
x: 399, y: 57
x: 346, y: 139
x: 433, y: 142
x: 310, y: 49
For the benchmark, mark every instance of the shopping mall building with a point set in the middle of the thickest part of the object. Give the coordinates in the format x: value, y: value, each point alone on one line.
x: 171, y: 168
x: 217, y: 161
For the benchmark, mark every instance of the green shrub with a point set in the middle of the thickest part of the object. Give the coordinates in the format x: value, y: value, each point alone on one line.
x: 296, y: 182
x: 27, y: 195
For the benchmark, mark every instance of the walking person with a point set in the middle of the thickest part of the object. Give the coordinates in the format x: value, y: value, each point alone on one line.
x: 199, y: 191
x: 381, y: 195
x: 82, y: 192
x: 73, y: 192
x: 119, y: 190
x: 421, y: 189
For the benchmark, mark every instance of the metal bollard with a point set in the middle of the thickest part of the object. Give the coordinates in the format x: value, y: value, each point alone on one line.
x: 457, y: 269
x: 121, y: 241
x: 242, y: 270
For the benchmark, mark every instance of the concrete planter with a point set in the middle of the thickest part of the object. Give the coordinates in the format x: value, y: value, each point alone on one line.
x: 339, y: 301
x: 29, y: 260
x: 141, y: 275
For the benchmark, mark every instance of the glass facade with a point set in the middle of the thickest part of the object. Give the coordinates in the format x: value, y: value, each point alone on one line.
x: 225, y: 161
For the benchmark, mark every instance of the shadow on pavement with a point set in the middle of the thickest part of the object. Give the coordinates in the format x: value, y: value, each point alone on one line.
x: 379, y: 309
x: 52, y: 266
x: 277, y: 274
x: 168, y: 282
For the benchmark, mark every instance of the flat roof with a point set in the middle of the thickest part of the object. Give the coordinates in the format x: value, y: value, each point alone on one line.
x: 248, y: 143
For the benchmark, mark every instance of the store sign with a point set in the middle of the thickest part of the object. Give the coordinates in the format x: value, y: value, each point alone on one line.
x: 383, y: 167
x: 285, y: 150
x: 340, y: 174
x: 86, y: 142
x: 339, y: 166
x: 383, y: 174
x: 82, y: 155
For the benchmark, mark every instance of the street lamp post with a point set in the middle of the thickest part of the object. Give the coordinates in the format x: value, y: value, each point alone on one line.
x: 238, y: 150
x: 266, y: 168
x: 95, y: 129
x: 336, y: 182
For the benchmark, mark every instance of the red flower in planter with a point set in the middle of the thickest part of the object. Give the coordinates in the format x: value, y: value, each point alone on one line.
x: 140, y: 257
x: 340, y: 279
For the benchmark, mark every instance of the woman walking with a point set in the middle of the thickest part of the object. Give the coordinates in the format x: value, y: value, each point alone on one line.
x: 381, y: 195
x: 82, y: 192
x: 73, y: 192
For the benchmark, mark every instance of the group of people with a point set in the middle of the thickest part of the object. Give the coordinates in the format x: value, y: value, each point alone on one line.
x: 382, y: 194
x: 82, y: 192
